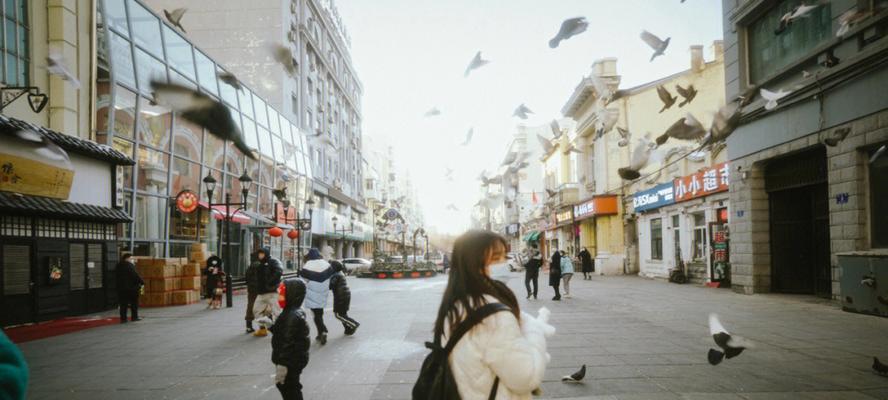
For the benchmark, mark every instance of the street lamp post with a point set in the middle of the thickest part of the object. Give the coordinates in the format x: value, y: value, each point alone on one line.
x: 343, y: 231
x: 301, y: 224
x: 420, y: 232
x: 246, y: 182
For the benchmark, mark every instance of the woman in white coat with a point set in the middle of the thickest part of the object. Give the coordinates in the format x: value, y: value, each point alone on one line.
x: 507, y: 349
x: 317, y: 272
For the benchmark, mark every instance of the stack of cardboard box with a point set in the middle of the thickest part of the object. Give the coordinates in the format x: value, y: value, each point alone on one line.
x: 168, y: 281
x: 199, y: 256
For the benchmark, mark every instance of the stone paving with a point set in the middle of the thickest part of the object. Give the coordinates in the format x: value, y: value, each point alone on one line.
x: 640, y: 338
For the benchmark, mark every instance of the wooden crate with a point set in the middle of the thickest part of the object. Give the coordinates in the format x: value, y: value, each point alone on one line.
x: 191, y: 269
x: 189, y: 283
x: 162, y: 285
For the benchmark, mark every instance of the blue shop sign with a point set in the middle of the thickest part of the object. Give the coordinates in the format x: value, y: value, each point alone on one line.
x: 656, y: 197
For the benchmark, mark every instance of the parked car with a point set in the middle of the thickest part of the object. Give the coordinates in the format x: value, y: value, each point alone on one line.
x: 438, y: 259
x: 515, y: 261
x: 357, y: 265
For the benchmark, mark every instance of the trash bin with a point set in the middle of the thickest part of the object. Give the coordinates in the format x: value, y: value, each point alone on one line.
x: 864, y: 282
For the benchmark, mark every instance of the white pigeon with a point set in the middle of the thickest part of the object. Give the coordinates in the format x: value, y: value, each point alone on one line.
x: 773, y: 97
x: 640, y: 156
x: 477, y: 62
x: 55, y: 64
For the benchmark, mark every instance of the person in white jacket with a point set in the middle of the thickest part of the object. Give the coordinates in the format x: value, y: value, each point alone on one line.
x: 507, y: 348
x: 317, y: 272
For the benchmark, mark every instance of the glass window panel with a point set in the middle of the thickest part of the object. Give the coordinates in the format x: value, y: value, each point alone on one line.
x: 246, y: 103
x: 249, y: 130
x: 236, y: 117
x: 125, y: 147
x: 154, y: 125
x: 115, y: 16
x: 296, y: 137
x: 206, y: 73
x: 278, y: 148
x: 11, y: 69
x: 265, y: 173
x: 124, y: 112
x: 22, y: 41
x: 149, y: 69
x: 150, y: 217
x: 214, y: 152
x: 253, y: 169
x: 178, y: 52
x: 285, y: 129
x: 180, y: 79
x: 10, y: 35
x: 153, y: 169
x: 103, y: 109
x: 768, y: 53
x: 122, y: 61
x: 260, y: 107
x: 186, y: 175
x: 22, y: 72
x: 146, y: 28
x: 234, y: 160
x: 226, y: 91
x: 265, y: 142
x: 187, y: 139
x: 273, y: 121
x: 266, y: 201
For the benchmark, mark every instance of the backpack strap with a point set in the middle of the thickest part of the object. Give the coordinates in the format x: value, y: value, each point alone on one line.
x: 474, y: 318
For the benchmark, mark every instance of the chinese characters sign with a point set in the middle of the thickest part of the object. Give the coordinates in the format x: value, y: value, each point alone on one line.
x: 32, y: 177
x: 565, y: 215
x: 599, y: 205
x: 710, y: 180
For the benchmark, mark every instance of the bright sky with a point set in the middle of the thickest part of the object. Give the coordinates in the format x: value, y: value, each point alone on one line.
x: 411, y: 54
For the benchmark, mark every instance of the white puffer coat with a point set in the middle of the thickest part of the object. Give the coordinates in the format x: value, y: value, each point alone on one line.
x: 501, y: 347
x: 317, y: 275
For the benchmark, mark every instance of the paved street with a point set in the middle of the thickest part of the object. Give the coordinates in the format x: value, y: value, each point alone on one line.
x: 641, y: 339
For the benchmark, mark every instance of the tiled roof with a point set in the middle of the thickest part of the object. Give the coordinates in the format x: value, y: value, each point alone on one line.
x: 54, y: 208
x: 70, y: 143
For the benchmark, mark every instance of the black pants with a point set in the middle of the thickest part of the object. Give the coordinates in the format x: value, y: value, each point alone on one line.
x: 291, y: 389
x: 532, y: 277
x: 319, y: 320
x: 128, y: 299
x: 347, y: 322
x: 556, y: 287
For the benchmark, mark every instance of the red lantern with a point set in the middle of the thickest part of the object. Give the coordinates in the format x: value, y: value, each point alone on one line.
x: 293, y: 234
x: 275, y: 232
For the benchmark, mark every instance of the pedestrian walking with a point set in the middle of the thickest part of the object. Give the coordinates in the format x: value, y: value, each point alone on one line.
x: 290, y: 340
x: 503, y: 352
x: 317, y: 273
x: 446, y: 263
x: 567, y: 271
x: 252, y: 279
x: 555, y: 274
x: 587, y: 263
x: 532, y: 272
x: 342, y: 298
x: 268, y: 277
x: 214, y: 267
x: 216, y: 302
x: 129, y: 284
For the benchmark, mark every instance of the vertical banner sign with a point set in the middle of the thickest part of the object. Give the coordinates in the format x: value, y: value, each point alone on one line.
x: 710, y: 180
x: 118, y: 187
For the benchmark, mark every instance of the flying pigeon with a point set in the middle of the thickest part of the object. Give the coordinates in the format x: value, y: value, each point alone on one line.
x: 522, y: 111
x: 688, y: 94
x: 569, y: 28
x: 624, y: 137
x: 55, y: 64
x: 556, y: 129
x: 849, y: 19
x: 606, y: 120
x: 686, y: 128
x: 433, y: 112
x: 878, y: 153
x: 573, y: 149
x: 575, y: 377
x: 731, y: 346
x: 451, y: 207
x: 724, y: 122
x: 551, y: 193
x: 284, y: 55
x: 655, y: 43
x: 667, y: 98
x: 510, y: 158
x: 202, y: 110
x: 41, y: 146
x: 547, y: 145
x: 801, y: 10
x: 175, y: 17
x: 230, y: 79
x: 879, y: 368
x: 773, y: 97
x: 640, y: 156
x: 469, y: 135
x: 477, y: 62
x: 448, y: 172
x: 837, y: 136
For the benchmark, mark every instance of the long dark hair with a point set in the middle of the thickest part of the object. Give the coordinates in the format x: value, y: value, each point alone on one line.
x: 468, y: 284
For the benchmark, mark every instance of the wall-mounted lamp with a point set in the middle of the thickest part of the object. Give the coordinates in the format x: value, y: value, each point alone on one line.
x: 36, y: 99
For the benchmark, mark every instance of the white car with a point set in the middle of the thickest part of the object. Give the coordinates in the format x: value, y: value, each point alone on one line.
x: 356, y: 265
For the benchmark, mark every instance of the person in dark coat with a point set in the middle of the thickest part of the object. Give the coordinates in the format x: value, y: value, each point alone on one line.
x: 342, y: 299
x: 268, y: 278
x: 290, y: 340
x: 252, y: 279
x: 129, y: 283
x: 555, y: 274
x: 588, y: 263
x: 532, y: 272
x: 214, y: 267
x: 13, y: 370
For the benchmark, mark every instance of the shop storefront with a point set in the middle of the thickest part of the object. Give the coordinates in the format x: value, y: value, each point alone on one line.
x: 588, y: 214
x: 563, y: 234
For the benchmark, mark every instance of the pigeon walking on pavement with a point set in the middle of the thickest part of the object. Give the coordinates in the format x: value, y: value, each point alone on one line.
x: 575, y: 377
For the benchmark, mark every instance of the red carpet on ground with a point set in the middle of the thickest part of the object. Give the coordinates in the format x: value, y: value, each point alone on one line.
x: 27, y: 333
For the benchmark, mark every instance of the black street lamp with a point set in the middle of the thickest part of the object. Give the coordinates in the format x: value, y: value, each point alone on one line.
x: 421, y: 232
x: 343, y: 231
x: 301, y: 224
x: 246, y: 183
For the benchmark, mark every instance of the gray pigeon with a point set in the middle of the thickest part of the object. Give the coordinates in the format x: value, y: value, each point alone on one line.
x: 688, y: 94
x: 175, y: 17
x: 667, y: 98
x: 724, y: 122
x: 569, y: 28
x: 284, y: 56
x: 230, y: 80
x: 469, y: 137
x: 575, y: 377
x: 433, y: 112
x: 686, y: 128
x: 640, y: 156
x: 556, y: 129
x: 547, y: 145
x: 522, y: 111
x: 477, y: 62
x: 655, y: 43
x: 55, y: 64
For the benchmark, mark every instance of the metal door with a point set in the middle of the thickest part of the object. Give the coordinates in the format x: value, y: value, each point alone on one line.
x: 800, y: 240
x: 77, y: 254
x: 19, y: 297
x: 95, y: 277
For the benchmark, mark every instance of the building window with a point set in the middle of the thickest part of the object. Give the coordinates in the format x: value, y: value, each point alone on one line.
x: 656, y: 239
x: 768, y: 53
x: 878, y: 177
x: 15, y: 43
x: 15, y: 226
x: 700, y: 237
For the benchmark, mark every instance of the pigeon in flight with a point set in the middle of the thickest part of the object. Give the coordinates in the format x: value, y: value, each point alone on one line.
x: 41, y: 146
x: 724, y: 122
x: 284, y: 56
x: 551, y: 193
x: 477, y: 62
x: 510, y: 158
x: 686, y: 128
x: 801, y: 10
x: 573, y: 149
x: 547, y: 145
x: 522, y: 111
x: 624, y: 137
x: 230, y: 79
x: 448, y: 172
x: 433, y: 112
x: 878, y: 153
x: 688, y: 94
x: 849, y: 19
x: 879, y: 368
x: 556, y: 129
x: 773, y: 97
x: 469, y: 137
x: 201, y: 110
x: 730, y: 346
x: 667, y: 98
x: 838, y: 135
x: 175, y: 17
x: 569, y: 28
x: 451, y: 207
x: 606, y: 120
x: 659, y: 46
x: 575, y: 377
x: 640, y: 156
x: 55, y: 64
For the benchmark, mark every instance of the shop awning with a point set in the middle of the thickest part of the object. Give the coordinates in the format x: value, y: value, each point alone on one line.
x: 218, y: 213
x: 17, y: 204
x: 532, y: 236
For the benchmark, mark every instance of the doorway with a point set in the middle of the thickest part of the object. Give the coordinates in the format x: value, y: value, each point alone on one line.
x: 18, y: 300
x: 87, y: 277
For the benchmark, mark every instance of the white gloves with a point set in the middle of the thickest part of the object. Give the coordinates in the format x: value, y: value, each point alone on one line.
x: 280, y: 374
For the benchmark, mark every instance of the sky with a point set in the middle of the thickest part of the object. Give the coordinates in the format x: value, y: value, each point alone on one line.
x: 410, y: 56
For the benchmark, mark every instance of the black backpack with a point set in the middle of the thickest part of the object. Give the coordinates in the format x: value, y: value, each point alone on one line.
x: 435, y: 380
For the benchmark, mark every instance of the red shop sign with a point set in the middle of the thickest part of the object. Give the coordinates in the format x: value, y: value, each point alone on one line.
x: 186, y: 201
x: 710, y: 180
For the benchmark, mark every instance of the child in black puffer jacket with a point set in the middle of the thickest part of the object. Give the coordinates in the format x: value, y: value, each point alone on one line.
x: 342, y: 299
x: 290, y: 340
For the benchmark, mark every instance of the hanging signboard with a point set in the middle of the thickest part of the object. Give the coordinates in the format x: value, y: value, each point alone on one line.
x: 33, y: 177
x: 653, y: 198
x: 186, y: 201
x: 710, y: 180
x: 598, y: 205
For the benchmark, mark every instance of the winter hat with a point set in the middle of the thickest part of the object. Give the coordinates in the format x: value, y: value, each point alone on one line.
x: 314, y: 254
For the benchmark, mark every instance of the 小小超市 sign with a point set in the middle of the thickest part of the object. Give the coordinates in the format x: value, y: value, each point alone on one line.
x: 710, y: 180
x: 186, y: 201
x: 653, y: 198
